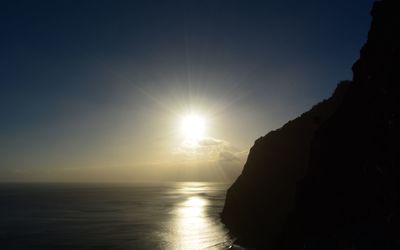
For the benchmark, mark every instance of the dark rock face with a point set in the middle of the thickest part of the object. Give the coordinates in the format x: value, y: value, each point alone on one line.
x: 330, y: 179
x: 258, y: 203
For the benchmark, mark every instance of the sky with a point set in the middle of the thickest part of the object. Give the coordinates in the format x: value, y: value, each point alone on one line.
x: 97, y: 90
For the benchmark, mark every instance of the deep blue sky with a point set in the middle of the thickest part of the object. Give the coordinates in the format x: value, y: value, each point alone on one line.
x: 78, y: 75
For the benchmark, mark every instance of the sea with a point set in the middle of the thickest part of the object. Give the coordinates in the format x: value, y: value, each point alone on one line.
x: 181, y: 215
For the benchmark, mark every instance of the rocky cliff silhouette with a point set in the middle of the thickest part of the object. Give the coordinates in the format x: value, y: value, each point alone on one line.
x: 330, y: 179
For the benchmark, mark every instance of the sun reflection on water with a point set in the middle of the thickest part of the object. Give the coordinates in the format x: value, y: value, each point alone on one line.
x: 193, y: 206
x: 193, y: 227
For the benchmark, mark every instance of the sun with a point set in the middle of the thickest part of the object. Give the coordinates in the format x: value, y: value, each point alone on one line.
x: 193, y: 127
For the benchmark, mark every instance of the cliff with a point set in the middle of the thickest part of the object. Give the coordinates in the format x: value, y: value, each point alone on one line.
x: 330, y: 179
x: 257, y: 204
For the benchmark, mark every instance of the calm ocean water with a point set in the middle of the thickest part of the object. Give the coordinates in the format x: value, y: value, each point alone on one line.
x: 112, y: 216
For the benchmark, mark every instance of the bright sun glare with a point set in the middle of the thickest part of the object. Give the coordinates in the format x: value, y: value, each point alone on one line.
x: 193, y: 127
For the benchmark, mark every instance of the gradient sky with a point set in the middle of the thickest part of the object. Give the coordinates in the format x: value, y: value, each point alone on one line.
x: 94, y: 90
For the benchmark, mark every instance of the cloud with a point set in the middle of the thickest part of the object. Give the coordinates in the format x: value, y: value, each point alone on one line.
x: 211, y: 149
x: 227, y: 156
x: 209, y: 141
x: 212, y: 156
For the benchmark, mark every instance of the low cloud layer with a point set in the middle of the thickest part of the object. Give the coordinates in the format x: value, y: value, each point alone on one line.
x: 211, y: 149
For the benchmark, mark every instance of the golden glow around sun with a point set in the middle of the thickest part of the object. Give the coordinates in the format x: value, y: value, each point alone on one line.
x: 193, y: 127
